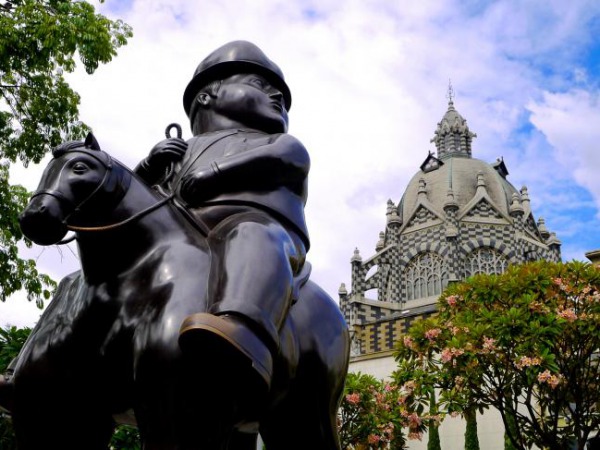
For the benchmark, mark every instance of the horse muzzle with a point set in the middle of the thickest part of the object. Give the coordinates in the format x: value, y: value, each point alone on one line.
x: 42, y: 220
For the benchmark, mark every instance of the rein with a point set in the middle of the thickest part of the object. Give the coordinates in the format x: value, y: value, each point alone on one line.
x: 108, y: 165
x: 136, y: 216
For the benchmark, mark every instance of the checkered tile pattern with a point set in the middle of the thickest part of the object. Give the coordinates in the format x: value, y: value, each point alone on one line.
x: 382, y: 335
x: 421, y: 217
x: 373, y: 326
x: 484, y: 210
x: 531, y: 226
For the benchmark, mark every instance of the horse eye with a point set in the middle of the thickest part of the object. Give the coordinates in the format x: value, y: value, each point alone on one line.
x: 80, y: 168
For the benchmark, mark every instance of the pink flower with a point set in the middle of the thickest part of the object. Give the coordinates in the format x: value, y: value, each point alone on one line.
x: 551, y: 380
x: 408, y: 341
x: 373, y: 439
x: 560, y: 283
x: 413, y: 435
x: 449, y: 353
x: 569, y: 314
x: 452, y: 300
x: 554, y: 381
x: 433, y: 333
x: 389, y: 429
x: 543, y: 376
x: 526, y: 361
x: 489, y: 345
x: 413, y: 420
x: 446, y: 355
x: 353, y: 398
x: 587, y: 289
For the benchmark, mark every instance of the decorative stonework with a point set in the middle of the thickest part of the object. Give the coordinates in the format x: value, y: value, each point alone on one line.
x: 458, y: 216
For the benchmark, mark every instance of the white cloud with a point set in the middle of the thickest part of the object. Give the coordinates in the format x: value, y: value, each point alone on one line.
x: 570, y: 121
x: 368, y: 81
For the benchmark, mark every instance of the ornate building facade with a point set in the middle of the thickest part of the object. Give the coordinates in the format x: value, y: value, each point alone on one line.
x: 458, y: 217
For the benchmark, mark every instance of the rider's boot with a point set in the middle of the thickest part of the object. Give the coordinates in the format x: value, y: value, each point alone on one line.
x: 228, y: 341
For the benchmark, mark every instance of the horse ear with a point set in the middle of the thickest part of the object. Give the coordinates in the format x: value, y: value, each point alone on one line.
x: 91, y: 142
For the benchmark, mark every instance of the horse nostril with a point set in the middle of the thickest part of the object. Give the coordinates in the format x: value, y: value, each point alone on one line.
x: 43, y: 208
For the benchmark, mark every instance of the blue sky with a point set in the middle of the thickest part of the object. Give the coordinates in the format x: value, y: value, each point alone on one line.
x: 369, y: 81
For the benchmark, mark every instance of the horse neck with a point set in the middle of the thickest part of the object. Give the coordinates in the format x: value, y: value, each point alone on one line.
x: 107, y: 252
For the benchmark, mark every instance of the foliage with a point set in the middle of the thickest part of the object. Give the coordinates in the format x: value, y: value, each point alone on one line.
x: 525, y: 342
x: 38, y: 109
x: 125, y: 437
x: 373, y: 413
x: 12, y: 340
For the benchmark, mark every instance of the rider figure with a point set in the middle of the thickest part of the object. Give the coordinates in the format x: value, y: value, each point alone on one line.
x: 244, y: 180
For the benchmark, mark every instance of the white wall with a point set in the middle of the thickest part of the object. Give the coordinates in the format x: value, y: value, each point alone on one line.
x: 490, y: 428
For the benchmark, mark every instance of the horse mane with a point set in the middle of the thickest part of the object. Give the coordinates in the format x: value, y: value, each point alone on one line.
x: 90, y: 143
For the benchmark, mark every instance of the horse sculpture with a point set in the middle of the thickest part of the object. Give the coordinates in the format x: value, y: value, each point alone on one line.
x: 107, y: 343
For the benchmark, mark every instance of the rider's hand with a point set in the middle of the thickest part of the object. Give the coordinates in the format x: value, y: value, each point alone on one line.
x: 166, y: 151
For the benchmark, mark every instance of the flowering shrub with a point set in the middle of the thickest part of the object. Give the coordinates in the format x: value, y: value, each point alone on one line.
x: 373, y: 414
x: 526, y: 342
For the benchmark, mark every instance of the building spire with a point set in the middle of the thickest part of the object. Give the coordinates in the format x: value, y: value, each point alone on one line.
x: 452, y: 136
x: 450, y: 95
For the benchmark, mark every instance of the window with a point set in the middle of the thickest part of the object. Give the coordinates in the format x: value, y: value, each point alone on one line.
x: 485, y: 260
x: 425, y: 276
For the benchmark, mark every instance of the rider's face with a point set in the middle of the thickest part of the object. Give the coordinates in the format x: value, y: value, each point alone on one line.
x: 250, y: 100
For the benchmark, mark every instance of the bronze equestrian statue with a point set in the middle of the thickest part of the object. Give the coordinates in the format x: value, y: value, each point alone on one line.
x: 193, y: 306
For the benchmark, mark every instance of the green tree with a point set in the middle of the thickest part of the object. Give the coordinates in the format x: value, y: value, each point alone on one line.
x: 525, y: 342
x: 471, y: 438
x: 38, y: 110
x: 125, y: 437
x: 433, y: 435
x: 373, y: 414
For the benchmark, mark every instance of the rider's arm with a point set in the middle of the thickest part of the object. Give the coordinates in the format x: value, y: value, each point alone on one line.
x: 283, y: 162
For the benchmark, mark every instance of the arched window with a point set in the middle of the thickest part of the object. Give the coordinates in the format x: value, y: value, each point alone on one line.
x: 425, y: 276
x: 485, y: 260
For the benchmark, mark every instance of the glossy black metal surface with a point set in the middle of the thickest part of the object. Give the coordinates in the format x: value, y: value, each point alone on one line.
x: 198, y: 318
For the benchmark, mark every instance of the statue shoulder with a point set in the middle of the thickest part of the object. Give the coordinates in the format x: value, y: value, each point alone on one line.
x: 287, y: 140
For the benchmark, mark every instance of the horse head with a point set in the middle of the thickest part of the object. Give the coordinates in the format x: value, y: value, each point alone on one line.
x: 80, y: 184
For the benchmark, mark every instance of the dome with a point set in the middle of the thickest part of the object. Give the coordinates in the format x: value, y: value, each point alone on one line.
x: 462, y: 176
x: 454, y: 176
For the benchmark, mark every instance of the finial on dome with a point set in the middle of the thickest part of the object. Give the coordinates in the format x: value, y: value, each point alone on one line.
x: 541, y: 224
x: 515, y: 207
x: 390, y: 207
x: 452, y: 136
x: 381, y: 242
x: 450, y: 95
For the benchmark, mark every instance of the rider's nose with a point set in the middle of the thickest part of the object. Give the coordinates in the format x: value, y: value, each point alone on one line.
x: 276, y: 95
